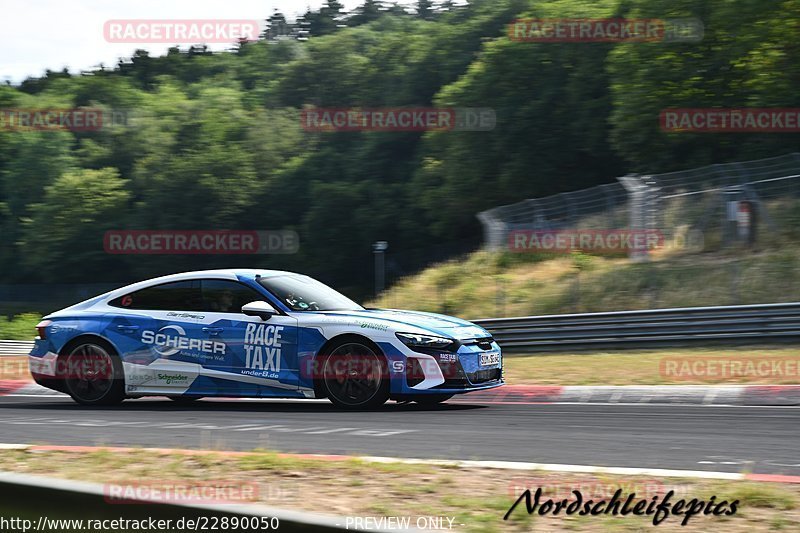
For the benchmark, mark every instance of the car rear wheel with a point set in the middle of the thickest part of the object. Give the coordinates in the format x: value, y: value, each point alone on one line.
x: 432, y: 399
x: 355, y: 376
x: 94, y: 374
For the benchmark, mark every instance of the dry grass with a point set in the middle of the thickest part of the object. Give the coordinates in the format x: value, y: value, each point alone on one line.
x: 485, y: 284
x: 476, y: 498
x: 645, y: 367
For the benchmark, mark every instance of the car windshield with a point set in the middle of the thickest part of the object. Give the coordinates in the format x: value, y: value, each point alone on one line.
x: 301, y: 293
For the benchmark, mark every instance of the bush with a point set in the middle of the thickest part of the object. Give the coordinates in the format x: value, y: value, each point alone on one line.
x: 21, y: 327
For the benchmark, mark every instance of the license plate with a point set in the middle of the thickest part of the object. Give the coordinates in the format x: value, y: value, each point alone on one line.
x: 489, y: 359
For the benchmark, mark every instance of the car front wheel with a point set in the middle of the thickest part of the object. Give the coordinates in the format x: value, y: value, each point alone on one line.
x: 354, y: 375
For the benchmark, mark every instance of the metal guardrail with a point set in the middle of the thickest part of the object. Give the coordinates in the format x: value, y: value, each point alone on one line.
x: 45, y: 498
x: 8, y: 348
x: 657, y: 327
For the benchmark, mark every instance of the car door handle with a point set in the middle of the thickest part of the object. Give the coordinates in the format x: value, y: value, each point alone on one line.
x: 213, y: 331
x: 127, y: 328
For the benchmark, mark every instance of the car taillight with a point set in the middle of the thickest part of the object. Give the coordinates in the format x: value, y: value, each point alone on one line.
x: 41, y: 328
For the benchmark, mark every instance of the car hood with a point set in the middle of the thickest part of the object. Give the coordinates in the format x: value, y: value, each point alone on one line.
x: 400, y: 320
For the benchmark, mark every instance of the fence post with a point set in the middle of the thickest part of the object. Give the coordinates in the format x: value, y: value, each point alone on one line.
x: 640, y: 207
x: 495, y: 231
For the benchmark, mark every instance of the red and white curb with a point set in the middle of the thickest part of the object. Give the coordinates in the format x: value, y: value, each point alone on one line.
x: 25, y: 388
x: 741, y: 395
x: 756, y: 395
x: 498, y: 465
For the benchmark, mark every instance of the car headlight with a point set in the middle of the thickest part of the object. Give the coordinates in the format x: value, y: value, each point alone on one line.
x: 418, y: 340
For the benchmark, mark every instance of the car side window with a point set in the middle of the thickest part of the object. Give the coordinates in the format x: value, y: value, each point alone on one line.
x: 223, y: 296
x: 175, y: 296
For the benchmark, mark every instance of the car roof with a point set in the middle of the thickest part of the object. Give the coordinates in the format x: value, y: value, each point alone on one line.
x: 223, y: 273
x: 232, y: 274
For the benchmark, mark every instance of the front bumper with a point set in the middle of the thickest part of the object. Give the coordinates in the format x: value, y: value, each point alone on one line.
x: 441, y: 372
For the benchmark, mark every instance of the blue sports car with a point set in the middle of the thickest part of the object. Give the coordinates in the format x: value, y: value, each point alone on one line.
x: 260, y: 334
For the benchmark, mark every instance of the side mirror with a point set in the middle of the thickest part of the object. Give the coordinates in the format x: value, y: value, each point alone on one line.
x: 259, y: 308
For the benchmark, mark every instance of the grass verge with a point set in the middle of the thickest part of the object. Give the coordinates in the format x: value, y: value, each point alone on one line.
x: 476, y: 498
x: 20, y: 327
x: 656, y: 367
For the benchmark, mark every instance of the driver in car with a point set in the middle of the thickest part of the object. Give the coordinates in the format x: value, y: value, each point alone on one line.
x: 225, y: 302
x: 296, y: 302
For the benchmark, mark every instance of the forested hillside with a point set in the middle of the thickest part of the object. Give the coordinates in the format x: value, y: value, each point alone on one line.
x: 214, y: 141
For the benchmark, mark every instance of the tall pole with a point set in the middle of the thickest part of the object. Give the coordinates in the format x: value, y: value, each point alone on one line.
x: 378, y: 250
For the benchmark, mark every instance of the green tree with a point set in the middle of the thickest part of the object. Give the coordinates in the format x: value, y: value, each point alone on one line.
x: 734, y: 65
x: 62, y: 241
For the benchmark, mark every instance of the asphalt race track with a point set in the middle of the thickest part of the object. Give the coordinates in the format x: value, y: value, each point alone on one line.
x: 758, y: 439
